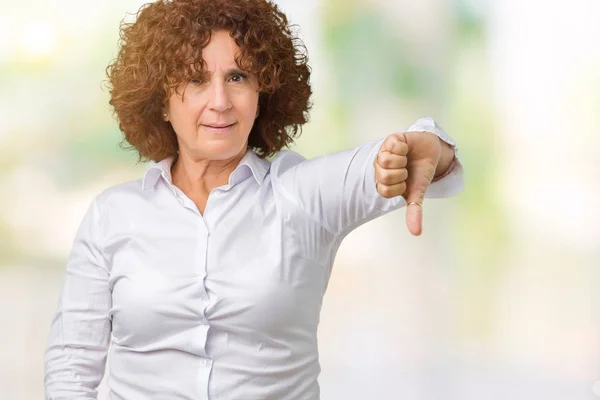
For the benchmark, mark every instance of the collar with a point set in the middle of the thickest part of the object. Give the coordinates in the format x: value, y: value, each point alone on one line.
x: 250, y: 164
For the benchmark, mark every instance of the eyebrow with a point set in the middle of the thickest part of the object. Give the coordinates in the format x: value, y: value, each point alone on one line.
x: 235, y: 70
x: 229, y: 71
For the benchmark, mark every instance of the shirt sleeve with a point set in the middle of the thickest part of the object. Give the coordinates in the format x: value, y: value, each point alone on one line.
x: 453, y: 182
x: 78, y: 343
x: 338, y: 189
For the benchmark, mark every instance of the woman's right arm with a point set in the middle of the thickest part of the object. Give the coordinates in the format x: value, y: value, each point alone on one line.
x: 338, y: 190
x: 77, y: 347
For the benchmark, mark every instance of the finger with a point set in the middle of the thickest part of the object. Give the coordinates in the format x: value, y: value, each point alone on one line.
x: 395, y: 144
x: 388, y: 160
x: 403, y: 139
x: 414, y: 218
x: 419, y: 178
x: 389, y: 191
x: 391, y: 176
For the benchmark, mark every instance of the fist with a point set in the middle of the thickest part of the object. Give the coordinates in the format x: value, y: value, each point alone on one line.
x: 390, y: 166
x: 405, y: 166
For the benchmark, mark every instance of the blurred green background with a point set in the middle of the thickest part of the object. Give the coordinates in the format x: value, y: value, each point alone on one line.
x: 499, y: 299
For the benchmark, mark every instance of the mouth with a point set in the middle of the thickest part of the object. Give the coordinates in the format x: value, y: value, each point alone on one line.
x: 219, y: 128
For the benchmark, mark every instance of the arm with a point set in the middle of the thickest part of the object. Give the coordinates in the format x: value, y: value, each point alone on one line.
x: 338, y: 189
x: 79, y: 337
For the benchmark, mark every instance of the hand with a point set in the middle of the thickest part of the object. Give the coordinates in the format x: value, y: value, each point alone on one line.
x: 405, y: 166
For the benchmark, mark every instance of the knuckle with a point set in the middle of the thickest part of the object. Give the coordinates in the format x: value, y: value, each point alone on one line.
x: 404, y: 147
x: 385, y: 191
x: 404, y: 174
x: 384, y: 160
x: 383, y: 173
x: 384, y: 176
x: 402, y: 187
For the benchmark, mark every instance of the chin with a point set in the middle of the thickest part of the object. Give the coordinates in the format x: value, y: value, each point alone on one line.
x: 222, y: 150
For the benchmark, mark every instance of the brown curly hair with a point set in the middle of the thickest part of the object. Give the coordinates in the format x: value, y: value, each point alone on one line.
x: 163, y: 49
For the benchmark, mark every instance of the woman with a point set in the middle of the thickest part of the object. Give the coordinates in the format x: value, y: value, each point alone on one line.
x: 206, y: 276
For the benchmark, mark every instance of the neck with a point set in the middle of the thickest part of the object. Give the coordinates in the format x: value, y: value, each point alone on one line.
x: 193, y: 175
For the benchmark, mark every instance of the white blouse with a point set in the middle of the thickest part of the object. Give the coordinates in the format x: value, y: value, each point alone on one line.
x: 223, y: 305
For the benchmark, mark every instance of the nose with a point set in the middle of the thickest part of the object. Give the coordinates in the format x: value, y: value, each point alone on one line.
x: 219, y: 98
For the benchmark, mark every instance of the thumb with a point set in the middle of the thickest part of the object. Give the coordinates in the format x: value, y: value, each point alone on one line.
x: 421, y: 164
x: 419, y: 178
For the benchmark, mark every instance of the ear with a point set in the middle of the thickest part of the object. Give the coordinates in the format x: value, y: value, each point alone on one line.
x: 165, y: 116
x: 257, y: 111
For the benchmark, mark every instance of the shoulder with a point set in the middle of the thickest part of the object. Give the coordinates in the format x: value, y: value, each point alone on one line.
x: 119, y: 194
x: 285, y: 160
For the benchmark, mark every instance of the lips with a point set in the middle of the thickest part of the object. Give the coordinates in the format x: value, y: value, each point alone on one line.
x: 219, y: 129
x: 218, y: 125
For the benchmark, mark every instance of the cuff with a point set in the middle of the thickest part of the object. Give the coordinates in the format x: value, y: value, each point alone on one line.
x: 428, y: 124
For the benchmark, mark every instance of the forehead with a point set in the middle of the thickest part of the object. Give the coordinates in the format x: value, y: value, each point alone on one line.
x: 220, y: 52
x: 217, y: 55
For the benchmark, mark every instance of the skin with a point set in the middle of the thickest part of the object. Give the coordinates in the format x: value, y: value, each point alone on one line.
x: 227, y: 96
x: 405, y: 166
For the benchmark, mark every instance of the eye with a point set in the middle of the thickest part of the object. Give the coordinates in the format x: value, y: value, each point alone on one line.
x: 196, y: 81
x: 238, y: 77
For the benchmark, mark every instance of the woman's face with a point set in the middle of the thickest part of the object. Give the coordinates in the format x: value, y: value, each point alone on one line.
x: 213, y: 118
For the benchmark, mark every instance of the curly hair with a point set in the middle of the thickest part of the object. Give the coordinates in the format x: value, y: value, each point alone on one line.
x: 163, y: 49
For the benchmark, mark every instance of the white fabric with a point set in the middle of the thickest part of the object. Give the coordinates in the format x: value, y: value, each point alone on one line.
x: 223, y: 305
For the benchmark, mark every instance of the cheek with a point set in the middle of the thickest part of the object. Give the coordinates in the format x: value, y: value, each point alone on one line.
x: 250, y: 105
x: 185, y: 115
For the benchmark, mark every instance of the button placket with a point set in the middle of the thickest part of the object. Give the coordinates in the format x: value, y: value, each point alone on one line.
x: 200, y: 265
x: 204, y: 376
